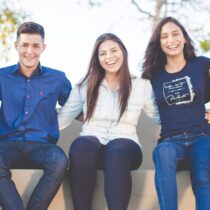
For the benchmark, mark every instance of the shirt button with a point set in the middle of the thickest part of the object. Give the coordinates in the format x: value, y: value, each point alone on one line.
x: 26, y: 113
x: 28, y: 96
x: 28, y: 80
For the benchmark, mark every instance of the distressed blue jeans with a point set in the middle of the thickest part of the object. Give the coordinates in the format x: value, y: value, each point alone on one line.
x: 48, y: 157
x: 193, y: 148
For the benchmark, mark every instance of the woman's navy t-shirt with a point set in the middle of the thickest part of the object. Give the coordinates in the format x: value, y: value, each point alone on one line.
x: 181, y: 97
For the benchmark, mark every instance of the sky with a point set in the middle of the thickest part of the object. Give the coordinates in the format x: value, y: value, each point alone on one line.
x: 71, y: 30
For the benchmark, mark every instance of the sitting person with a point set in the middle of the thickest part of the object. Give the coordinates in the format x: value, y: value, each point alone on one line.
x: 111, y: 100
x: 179, y: 79
x: 28, y: 121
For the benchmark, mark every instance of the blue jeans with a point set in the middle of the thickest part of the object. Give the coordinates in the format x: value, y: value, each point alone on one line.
x: 117, y: 159
x: 48, y: 157
x: 195, y: 148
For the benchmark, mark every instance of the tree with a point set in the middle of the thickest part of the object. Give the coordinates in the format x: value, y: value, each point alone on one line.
x: 185, y: 10
x: 10, y: 18
x: 205, y: 44
x: 180, y: 8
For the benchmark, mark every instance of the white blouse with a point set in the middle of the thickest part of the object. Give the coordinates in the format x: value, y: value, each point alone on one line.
x: 104, y: 121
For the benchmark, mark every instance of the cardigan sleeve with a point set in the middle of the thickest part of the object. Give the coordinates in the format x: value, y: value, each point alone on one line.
x: 72, y: 108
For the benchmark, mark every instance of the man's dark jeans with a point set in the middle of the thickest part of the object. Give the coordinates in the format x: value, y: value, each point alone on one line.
x: 48, y: 157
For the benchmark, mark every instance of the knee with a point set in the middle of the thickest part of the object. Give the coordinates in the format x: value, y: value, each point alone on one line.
x: 115, y: 150
x: 165, y: 154
x: 200, y: 184
x: 200, y: 177
x: 77, y: 146
x: 5, y: 172
x: 121, y: 150
x: 4, y: 169
x: 122, y: 156
x: 57, y: 159
x: 83, y: 147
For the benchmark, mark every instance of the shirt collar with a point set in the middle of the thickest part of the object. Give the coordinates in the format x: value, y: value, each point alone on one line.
x: 105, y: 84
x: 37, y: 72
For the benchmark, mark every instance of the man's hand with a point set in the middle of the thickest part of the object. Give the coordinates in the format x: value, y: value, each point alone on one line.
x: 207, y: 116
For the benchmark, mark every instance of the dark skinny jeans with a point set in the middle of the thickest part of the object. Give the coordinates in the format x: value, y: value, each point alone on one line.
x: 116, y: 159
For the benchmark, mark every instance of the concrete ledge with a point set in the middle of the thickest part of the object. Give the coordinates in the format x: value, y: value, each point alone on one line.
x: 144, y: 196
x: 143, y: 193
x: 26, y: 180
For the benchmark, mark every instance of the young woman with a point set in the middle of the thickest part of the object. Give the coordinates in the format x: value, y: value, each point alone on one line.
x: 111, y: 100
x: 179, y: 81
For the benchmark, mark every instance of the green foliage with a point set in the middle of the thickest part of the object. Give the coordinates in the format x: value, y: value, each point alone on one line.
x: 205, y: 44
x: 10, y: 18
x: 92, y: 3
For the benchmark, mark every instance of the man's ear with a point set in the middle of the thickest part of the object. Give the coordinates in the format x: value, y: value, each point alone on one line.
x: 15, y: 44
x: 44, y: 47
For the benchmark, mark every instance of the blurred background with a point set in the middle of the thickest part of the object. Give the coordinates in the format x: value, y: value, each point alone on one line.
x: 72, y: 27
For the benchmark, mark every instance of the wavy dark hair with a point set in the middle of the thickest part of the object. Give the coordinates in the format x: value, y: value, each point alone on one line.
x: 30, y: 28
x: 96, y: 74
x: 155, y: 58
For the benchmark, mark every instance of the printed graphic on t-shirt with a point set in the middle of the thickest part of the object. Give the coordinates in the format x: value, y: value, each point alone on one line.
x: 178, y: 91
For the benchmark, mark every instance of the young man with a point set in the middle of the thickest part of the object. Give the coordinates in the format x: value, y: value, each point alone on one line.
x: 28, y: 120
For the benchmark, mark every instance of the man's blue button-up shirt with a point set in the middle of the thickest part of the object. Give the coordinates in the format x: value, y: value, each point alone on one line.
x: 28, y: 105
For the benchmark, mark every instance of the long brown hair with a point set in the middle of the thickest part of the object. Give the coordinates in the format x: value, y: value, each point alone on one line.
x: 96, y: 74
x: 155, y: 58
